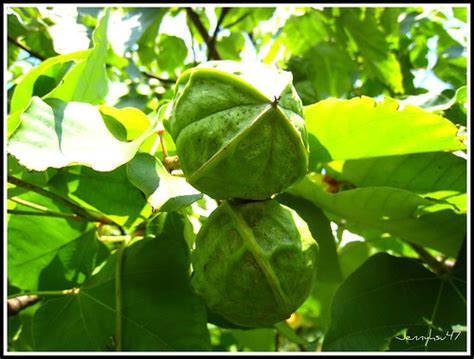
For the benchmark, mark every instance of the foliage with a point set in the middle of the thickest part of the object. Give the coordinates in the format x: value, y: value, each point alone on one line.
x: 101, y: 225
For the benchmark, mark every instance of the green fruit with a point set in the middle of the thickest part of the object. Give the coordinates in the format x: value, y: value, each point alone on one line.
x: 239, y: 130
x: 254, y: 263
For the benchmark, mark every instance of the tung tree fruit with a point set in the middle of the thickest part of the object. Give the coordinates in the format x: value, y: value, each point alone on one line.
x: 254, y: 262
x: 239, y: 130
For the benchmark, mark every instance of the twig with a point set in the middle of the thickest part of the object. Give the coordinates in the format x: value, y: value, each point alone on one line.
x: 424, y: 255
x: 72, y: 216
x: 27, y: 49
x: 44, y: 211
x: 211, y: 46
x: 227, y: 26
x: 202, y: 31
x: 161, y: 79
x: 78, y: 210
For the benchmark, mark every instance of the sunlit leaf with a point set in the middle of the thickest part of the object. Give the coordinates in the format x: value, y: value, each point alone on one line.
x: 363, y: 128
x: 58, y: 134
x: 87, y: 81
x: 163, y: 191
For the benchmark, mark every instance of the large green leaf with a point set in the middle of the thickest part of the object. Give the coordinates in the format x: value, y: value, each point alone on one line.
x: 163, y: 191
x: 392, y: 210
x: 47, y: 252
x: 87, y: 81
x: 362, y: 128
x: 396, y: 297
x: 58, y: 134
x: 86, y: 317
x: 437, y: 175
x: 159, y: 309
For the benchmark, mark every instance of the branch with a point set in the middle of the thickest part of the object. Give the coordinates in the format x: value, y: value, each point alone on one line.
x: 168, y: 81
x: 78, y: 210
x: 27, y: 49
x: 211, y: 46
x: 431, y: 261
x: 202, y: 31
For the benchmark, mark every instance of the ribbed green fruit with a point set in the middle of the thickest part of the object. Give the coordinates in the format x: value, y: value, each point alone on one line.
x: 239, y: 130
x: 254, y: 263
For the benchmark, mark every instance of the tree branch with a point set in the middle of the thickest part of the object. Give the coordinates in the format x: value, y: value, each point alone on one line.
x: 212, y: 42
x: 25, y: 48
x: 426, y: 257
x: 202, y: 31
x: 161, y: 79
x: 17, y: 304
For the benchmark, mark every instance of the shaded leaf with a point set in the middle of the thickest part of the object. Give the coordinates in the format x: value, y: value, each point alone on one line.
x: 34, y: 242
x: 160, y: 312
x: 119, y: 200
x: 328, y: 264
x: 388, y: 295
x: 390, y: 210
x: 373, y: 47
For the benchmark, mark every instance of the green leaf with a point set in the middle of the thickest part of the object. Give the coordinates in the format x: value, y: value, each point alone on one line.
x: 328, y: 265
x: 87, y: 318
x: 164, y: 192
x: 352, y: 255
x: 363, y: 128
x: 160, y: 311
x: 88, y: 81
x: 387, y: 296
x: 58, y: 134
x: 371, y: 42
x: 164, y: 312
x: 302, y: 32
x: 129, y: 26
x: 326, y: 70
x: 172, y: 52
x: 230, y: 47
x: 255, y: 340
x: 119, y: 200
x: 25, y: 89
x: 390, y: 210
x: 36, y: 244
x: 131, y: 121
x: 435, y: 175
